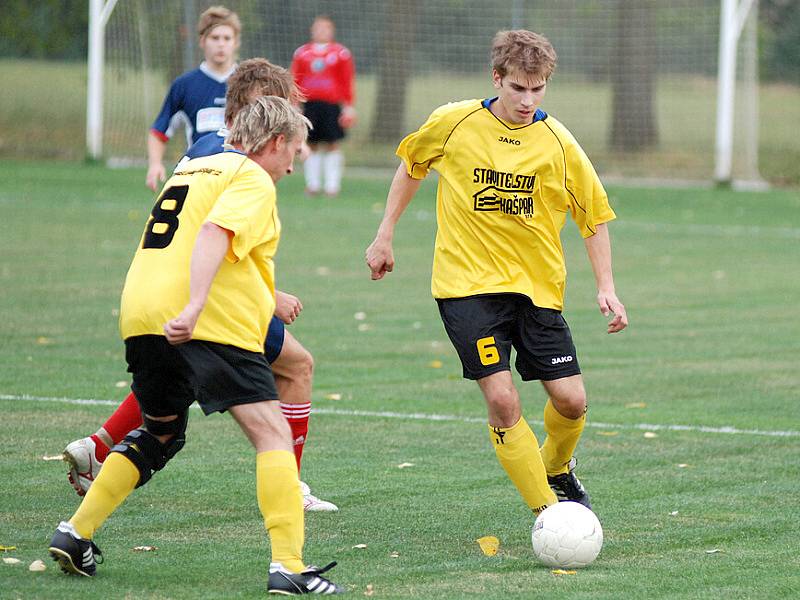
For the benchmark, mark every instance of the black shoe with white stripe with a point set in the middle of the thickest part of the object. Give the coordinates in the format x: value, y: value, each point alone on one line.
x: 74, y: 554
x: 567, y: 487
x: 310, y: 581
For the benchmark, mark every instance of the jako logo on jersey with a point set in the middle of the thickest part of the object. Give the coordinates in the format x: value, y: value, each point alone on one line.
x: 560, y: 359
x: 514, y: 142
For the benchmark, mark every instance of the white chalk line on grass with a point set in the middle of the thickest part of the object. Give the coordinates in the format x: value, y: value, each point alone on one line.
x: 448, y: 418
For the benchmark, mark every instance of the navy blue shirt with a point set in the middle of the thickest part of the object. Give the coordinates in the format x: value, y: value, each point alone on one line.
x: 196, y: 98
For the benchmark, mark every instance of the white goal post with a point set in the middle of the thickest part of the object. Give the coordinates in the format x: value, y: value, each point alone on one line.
x: 736, y: 18
x: 99, y: 13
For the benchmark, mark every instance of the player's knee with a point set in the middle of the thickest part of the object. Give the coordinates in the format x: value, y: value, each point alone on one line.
x: 572, y: 406
x: 504, y: 406
x: 147, y: 452
x: 305, y: 365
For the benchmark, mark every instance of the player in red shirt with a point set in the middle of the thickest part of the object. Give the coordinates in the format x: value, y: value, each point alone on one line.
x: 324, y: 71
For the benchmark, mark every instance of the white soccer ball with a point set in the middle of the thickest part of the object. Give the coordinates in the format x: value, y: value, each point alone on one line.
x: 567, y: 535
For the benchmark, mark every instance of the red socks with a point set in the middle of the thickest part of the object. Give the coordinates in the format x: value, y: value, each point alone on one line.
x: 127, y: 417
x: 297, y: 415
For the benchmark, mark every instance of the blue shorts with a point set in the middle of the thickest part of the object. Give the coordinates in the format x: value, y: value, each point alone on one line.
x: 274, y: 342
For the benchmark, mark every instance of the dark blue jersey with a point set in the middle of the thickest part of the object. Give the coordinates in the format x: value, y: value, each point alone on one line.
x: 197, y: 99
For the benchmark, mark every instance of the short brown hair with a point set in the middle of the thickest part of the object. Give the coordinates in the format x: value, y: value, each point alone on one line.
x: 258, y: 77
x: 264, y: 119
x: 525, y: 52
x: 218, y: 15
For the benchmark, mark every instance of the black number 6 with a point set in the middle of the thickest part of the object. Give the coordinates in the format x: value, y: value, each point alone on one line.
x: 164, y: 218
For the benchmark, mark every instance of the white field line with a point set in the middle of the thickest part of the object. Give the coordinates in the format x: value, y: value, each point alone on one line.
x: 447, y: 418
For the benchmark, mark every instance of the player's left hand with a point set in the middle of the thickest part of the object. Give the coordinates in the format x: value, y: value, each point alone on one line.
x: 610, y: 305
x: 180, y: 329
x: 287, y: 307
x: 347, y: 118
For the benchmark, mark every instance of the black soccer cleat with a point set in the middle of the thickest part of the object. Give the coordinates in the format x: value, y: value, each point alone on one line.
x: 74, y: 554
x: 567, y: 487
x: 309, y: 581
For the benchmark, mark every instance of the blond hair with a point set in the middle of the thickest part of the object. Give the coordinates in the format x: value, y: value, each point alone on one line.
x: 215, y: 16
x: 258, y: 77
x: 265, y: 119
x: 523, y: 52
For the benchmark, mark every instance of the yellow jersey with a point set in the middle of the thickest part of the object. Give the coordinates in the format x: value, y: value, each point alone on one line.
x: 503, y: 195
x: 233, y: 192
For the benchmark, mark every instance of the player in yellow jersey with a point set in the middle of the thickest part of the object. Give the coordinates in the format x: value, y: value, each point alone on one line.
x: 508, y: 176
x: 196, y: 305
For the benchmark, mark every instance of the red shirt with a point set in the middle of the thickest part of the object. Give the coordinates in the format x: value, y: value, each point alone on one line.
x: 324, y: 72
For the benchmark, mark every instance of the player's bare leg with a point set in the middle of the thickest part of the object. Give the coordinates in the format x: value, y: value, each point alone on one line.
x: 294, y: 372
x: 514, y: 442
x: 564, y: 420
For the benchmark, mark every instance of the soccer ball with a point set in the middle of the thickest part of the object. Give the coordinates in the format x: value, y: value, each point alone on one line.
x: 567, y: 534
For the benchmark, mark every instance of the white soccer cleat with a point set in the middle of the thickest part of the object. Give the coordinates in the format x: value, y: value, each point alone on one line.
x: 313, y: 504
x: 83, y: 464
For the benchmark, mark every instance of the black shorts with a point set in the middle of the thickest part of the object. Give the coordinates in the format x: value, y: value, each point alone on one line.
x: 484, y: 328
x: 324, y: 116
x: 167, y: 378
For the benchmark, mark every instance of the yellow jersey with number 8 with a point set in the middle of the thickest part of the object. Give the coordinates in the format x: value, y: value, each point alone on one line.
x: 504, y: 192
x: 235, y: 193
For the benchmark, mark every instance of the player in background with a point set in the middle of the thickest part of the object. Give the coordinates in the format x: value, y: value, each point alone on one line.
x: 508, y: 175
x: 197, y: 98
x: 325, y: 72
x: 219, y: 256
x: 291, y: 363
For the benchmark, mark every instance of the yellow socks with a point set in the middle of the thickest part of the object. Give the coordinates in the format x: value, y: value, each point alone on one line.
x: 281, y: 504
x: 116, y: 480
x: 562, y: 437
x: 518, y: 452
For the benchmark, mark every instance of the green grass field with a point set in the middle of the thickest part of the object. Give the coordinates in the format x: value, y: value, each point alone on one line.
x: 709, y: 365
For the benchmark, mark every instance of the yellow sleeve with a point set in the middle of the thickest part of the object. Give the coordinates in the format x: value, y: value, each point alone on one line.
x: 588, y: 201
x: 246, y: 208
x: 422, y: 149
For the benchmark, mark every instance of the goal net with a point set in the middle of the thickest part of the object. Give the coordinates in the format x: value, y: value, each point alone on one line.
x: 636, y: 80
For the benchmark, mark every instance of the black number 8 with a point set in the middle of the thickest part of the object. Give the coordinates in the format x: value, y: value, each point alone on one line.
x: 164, y: 218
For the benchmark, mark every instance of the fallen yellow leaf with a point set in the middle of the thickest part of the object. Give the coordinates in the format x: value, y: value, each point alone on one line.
x: 359, y: 546
x: 405, y: 465
x: 608, y: 433
x: 144, y: 548
x: 636, y: 405
x: 489, y: 545
x: 54, y: 457
x: 7, y: 548
x: 43, y: 341
x: 333, y: 396
x: 370, y: 590
x: 435, y: 364
x: 11, y: 561
x: 650, y: 435
x: 563, y: 572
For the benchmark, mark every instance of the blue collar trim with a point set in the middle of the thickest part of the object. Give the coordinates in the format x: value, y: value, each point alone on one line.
x: 539, y: 115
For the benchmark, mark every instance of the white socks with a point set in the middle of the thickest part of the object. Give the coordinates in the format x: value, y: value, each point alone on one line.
x: 312, y: 170
x: 332, y: 165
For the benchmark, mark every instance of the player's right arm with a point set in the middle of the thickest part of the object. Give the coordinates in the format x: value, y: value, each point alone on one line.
x: 155, y: 161
x: 159, y: 135
x: 379, y: 255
